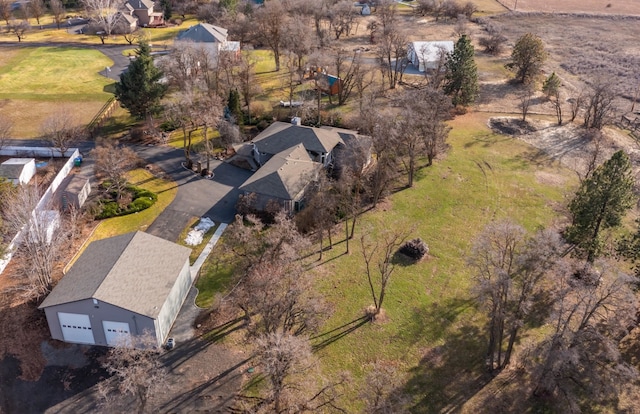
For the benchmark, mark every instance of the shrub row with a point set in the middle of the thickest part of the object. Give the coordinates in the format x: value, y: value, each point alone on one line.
x: 142, y: 200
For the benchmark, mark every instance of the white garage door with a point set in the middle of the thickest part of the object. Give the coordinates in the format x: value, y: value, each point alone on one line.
x: 76, y: 328
x: 117, y: 333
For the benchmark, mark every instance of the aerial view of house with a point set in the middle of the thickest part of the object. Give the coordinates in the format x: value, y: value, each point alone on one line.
x: 421, y: 206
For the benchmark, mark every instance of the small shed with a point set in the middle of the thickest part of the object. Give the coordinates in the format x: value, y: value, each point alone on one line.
x: 18, y: 170
x: 426, y: 55
x: 119, y: 288
x: 76, y: 192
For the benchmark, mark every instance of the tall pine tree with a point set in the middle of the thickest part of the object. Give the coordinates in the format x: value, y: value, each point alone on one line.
x: 461, y: 78
x: 139, y: 89
x: 600, y: 203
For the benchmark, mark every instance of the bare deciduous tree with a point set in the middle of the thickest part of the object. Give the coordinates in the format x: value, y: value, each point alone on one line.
x: 5, y: 11
x: 382, y: 391
x: 269, y: 281
x: 20, y: 29
x: 6, y: 126
x: 104, y: 13
x: 341, y: 16
x: 392, y: 52
x: 42, y: 238
x: 494, y: 41
x: 249, y: 87
x: 270, y: 21
x: 525, y: 96
x: 136, y: 372
x: 509, y: 269
x: 599, y: 105
x: 288, y: 364
x: 111, y: 163
x: 36, y: 9
x: 576, y: 106
x: 380, y: 254
x: 57, y: 11
x: 593, y: 308
x: 62, y: 130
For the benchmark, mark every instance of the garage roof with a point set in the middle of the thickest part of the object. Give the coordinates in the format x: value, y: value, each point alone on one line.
x: 135, y: 271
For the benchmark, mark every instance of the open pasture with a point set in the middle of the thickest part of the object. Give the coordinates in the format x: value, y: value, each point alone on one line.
x: 622, y: 7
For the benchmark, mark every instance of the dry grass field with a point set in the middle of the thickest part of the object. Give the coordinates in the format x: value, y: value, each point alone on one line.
x: 595, y: 47
x: 622, y: 7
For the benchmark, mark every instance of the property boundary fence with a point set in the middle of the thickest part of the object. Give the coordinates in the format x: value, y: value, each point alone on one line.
x: 46, y: 197
x: 102, y: 115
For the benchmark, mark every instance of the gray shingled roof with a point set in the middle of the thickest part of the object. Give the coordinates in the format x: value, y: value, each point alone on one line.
x: 134, y: 271
x: 281, y: 136
x: 285, y: 175
x: 12, y: 168
x: 204, y: 33
x: 141, y: 4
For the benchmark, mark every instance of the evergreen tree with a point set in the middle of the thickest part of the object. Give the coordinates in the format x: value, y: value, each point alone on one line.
x: 461, y: 79
x: 551, y: 85
x: 527, y: 57
x: 600, y: 203
x: 139, y: 89
x: 233, y: 104
x: 167, y: 11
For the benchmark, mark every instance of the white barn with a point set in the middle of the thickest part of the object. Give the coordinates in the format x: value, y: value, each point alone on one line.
x: 426, y: 55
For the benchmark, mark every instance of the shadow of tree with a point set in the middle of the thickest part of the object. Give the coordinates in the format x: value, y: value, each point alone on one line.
x: 329, y: 337
x: 448, y: 375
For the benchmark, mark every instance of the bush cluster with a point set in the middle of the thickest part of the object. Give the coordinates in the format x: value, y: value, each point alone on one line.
x: 142, y: 200
x: 416, y: 249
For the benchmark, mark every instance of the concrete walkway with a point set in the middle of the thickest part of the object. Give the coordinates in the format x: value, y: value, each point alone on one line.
x: 195, y: 269
x: 182, y: 329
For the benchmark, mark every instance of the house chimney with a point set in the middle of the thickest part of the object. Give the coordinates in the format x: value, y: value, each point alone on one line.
x: 296, y: 120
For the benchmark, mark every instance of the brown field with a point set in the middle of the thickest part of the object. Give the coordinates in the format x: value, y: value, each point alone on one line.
x: 595, y: 47
x: 622, y: 7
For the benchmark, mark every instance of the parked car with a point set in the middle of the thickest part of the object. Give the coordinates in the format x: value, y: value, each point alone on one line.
x: 170, y: 344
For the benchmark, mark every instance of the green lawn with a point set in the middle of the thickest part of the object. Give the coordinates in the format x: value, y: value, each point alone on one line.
x: 55, y: 74
x: 484, y: 177
x: 37, y: 82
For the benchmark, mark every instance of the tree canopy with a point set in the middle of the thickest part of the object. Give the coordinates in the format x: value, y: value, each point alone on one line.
x: 600, y: 203
x: 139, y: 89
x: 461, y: 79
x: 527, y: 57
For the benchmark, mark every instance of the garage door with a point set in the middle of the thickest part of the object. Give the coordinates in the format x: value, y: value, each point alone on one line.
x: 76, y: 328
x: 117, y: 333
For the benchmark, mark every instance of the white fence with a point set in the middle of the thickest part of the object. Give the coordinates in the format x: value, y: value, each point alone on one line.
x: 46, y: 197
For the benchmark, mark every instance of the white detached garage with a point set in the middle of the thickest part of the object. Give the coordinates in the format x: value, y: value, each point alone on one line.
x: 118, y: 288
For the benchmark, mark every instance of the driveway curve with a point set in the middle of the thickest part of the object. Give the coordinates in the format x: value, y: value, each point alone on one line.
x: 197, y: 196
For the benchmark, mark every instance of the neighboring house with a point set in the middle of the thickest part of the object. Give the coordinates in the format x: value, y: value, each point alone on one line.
x: 279, y: 136
x: 18, y: 170
x: 428, y: 55
x: 209, y: 37
x: 283, y: 179
x: 118, y: 288
x: 127, y: 22
x: 144, y: 12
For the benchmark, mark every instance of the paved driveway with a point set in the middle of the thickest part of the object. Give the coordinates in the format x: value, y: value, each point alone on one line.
x: 215, y: 198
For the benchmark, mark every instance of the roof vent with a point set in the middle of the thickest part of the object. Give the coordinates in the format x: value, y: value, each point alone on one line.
x: 296, y: 120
